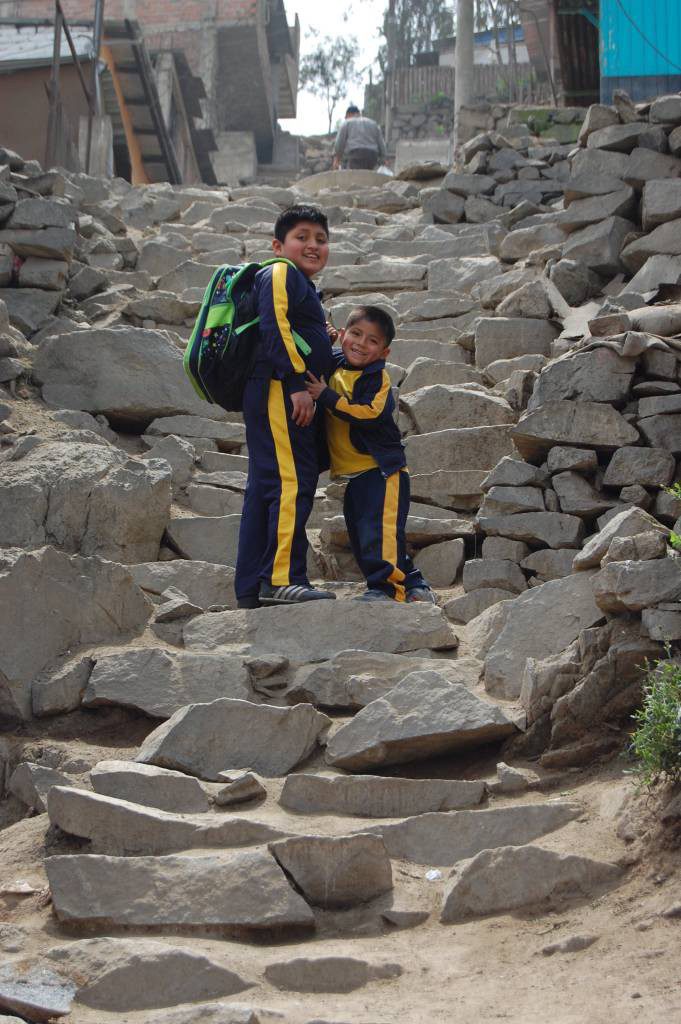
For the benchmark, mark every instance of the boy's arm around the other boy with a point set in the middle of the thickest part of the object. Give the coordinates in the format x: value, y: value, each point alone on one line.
x: 278, y: 289
x: 372, y: 402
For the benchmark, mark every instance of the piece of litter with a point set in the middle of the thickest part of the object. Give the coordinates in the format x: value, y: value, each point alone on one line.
x: 434, y: 875
x: 18, y: 888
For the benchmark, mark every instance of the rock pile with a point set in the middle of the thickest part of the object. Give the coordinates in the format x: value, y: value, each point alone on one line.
x: 539, y: 382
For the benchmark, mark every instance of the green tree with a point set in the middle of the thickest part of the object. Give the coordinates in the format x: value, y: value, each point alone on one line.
x: 418, y: 23
x: 330, y: 69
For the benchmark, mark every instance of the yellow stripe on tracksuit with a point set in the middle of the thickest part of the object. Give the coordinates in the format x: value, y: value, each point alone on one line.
x: 367, y: 412
x: 280, y: 299
x: 389, y: 536
x: 286, y: 522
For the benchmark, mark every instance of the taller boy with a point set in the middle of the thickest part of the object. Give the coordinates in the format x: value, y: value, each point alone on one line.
x: 281, y: 427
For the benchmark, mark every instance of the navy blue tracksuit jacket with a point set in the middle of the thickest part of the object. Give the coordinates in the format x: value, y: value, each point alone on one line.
x: 365, y: 445
x: 283, y: 467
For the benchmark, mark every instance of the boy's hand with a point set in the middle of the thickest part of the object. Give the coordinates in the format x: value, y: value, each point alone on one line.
x: 315, y: 386
x: 303, y: 408
x: 332, y: 332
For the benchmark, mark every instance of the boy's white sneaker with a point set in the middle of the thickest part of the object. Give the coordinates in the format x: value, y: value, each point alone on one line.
x: 294, y: 593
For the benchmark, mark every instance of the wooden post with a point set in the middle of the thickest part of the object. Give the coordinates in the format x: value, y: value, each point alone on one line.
x: 53, y: 92
x: 463, y: 67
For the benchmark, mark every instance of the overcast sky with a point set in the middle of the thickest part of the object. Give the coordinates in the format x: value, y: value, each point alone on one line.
x: 327, y: 16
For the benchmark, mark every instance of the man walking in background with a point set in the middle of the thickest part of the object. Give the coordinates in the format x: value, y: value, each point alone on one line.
x: 359, y: 144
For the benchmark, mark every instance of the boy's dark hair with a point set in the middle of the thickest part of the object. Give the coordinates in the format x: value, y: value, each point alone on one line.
x: 374, y: 315
x: 352, y: 109
x: 293, y: 215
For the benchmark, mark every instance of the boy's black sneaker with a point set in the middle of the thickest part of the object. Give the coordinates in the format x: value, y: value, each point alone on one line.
x: 249, y: 602
x: 374, y: 595
x: 294, y: 593
x: 424, y: 594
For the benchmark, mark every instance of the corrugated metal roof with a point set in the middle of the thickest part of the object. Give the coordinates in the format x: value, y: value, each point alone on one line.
x: 30, y: 46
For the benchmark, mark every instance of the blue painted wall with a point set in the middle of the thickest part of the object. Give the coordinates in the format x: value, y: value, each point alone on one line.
x: 624, y: 51
x: 645, y: 57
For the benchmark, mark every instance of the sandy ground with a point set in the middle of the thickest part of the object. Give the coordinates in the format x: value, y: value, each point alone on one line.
x: 482, y: 970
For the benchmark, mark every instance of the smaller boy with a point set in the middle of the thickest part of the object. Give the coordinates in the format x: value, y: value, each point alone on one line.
x: 365, y: 447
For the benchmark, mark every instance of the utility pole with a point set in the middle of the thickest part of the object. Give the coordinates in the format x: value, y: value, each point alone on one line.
x: 391, y: 46
x: 95, y: 99
x: 53, y: 93
x: 463, y: 67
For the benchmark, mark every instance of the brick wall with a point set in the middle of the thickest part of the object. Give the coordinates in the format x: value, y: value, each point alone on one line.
x: 155, y: 14
x: 225, y: 44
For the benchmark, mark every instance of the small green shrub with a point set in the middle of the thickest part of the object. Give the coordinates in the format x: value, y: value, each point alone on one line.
x: 657, y: 740
x: 675, y: 540
x: 674, y: 490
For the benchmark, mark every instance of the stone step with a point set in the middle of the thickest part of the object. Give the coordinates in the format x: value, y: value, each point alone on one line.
x: 244, y: 894
x: 120, y: 828
x: 400, y: 630
x: 442, y: 839
x: 370, y: 796
x: 500, y: 881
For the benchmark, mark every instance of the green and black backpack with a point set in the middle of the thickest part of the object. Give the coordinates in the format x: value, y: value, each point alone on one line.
x: 223, y: 346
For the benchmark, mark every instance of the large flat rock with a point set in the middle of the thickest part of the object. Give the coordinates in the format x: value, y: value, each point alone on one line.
x: 554, y: 529
x: 508, y: 337
x: 207, y: 739
x: 87, y: 499
x: 34, y: 991
x: 538, y: 623
x: 317, y: 631
x: 150, y: 786
x: 459, y: 448
x: 29, y: 308
x: 632, y: 586
x: 30, y: 783
x: 563, y: 422
x: 381, y: 275
x: 158, y: 682
x: 97, y: 601
x: 120, y: 975
x: 599, y: 375
x: 205, y: 583
x: 372, y: 796
x: 336, y: 871
x: 352, y: 679
x: 422, y: 716
x: 626, y: 523
x: 327, y: 974
x: 118, y: 827
x: 91, y: 370
x: 428, y: 408
x: 228, y: 436
x: 419, y: 529
x: 244, y: 893
x: 444, y: 839
x: 205, y: 538
x: 516, y: 877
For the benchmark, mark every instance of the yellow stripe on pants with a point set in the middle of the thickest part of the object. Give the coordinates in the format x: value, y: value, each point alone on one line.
x: 276, y: 411
x: 389, y: 537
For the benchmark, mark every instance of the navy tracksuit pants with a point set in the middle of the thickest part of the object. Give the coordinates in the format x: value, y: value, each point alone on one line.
x: 375, y: 510
x: 283, y: 470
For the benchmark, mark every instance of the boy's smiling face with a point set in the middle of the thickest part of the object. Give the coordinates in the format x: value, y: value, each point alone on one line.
x: 363, y: 342
x: 306, y: 245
